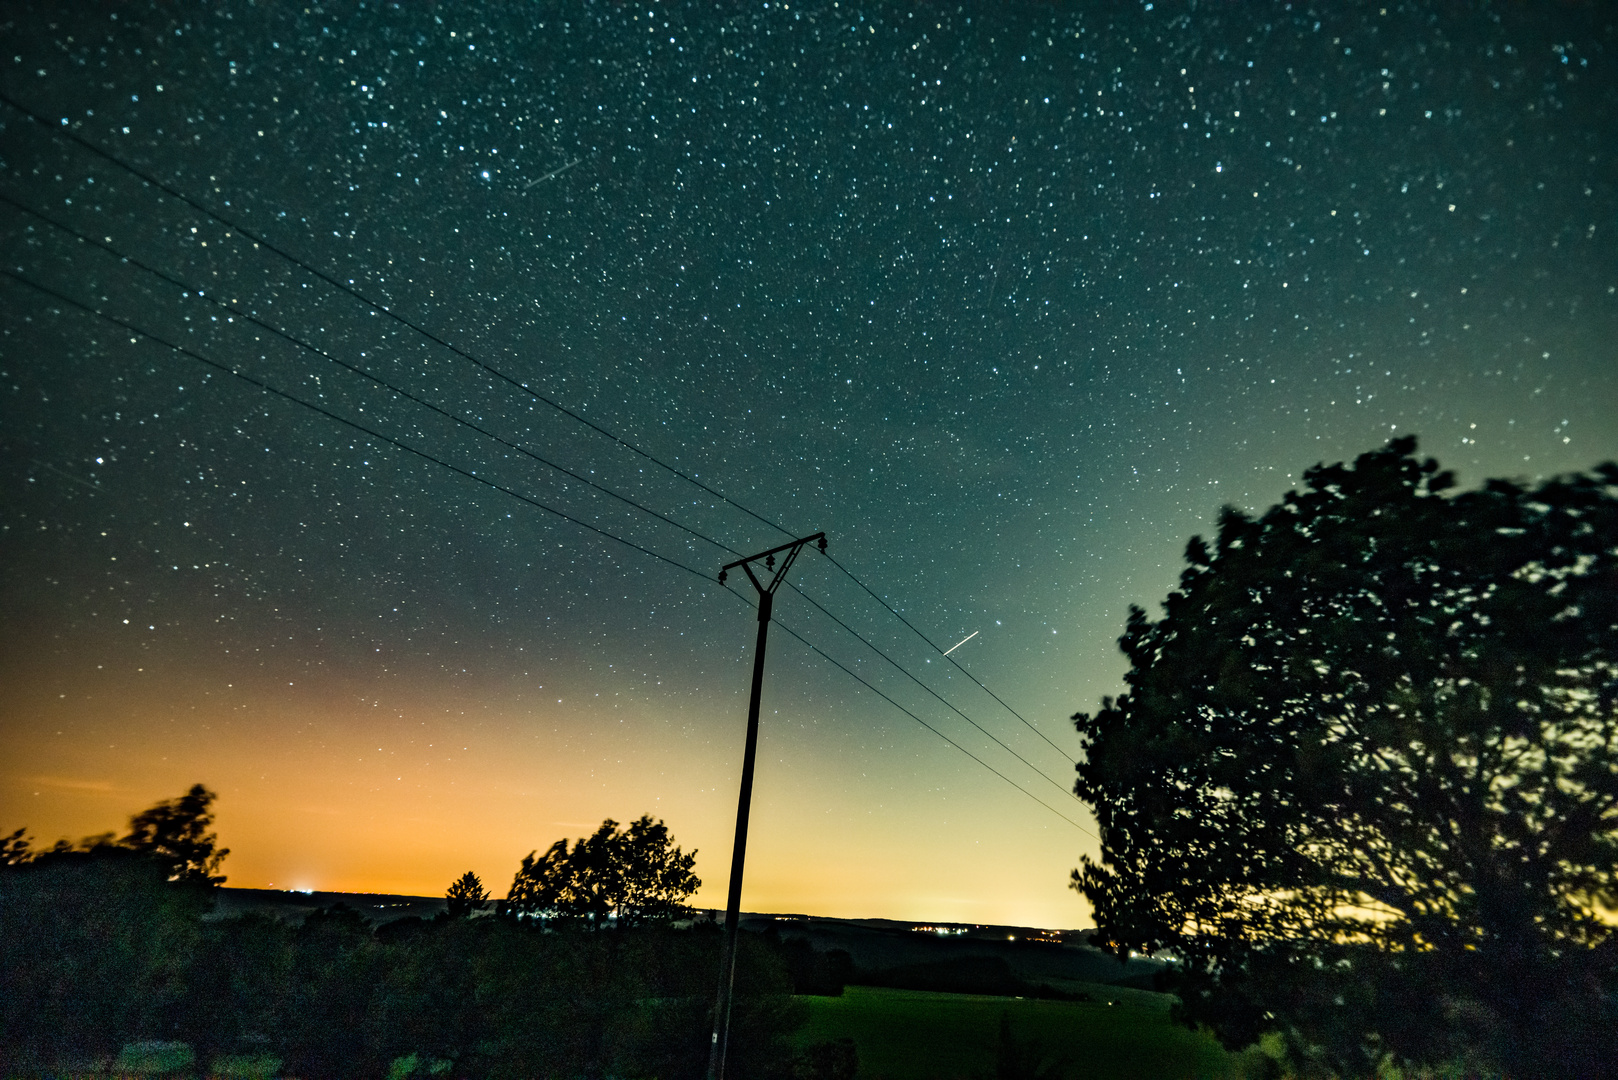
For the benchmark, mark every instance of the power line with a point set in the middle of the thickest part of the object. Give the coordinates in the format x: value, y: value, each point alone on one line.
x: 374, y: 305
x: 1054, y: 783
x: 356, y: 369
x: 299, y: 342
x: 263, y: 241
x: 851, y: 674
x: 277, y: 391
x: 947, y: 656
x: 379, y: 436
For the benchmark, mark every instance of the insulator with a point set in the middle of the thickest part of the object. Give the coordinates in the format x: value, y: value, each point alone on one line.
x: 823, y: 545
x: 769, y: 561
x: 722, y: 576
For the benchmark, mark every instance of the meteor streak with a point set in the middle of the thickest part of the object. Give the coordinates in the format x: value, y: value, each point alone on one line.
x: 553, y: 172
x: 961, y: 642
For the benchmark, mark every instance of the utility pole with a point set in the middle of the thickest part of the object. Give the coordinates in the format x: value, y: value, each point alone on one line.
x: 727, y: 958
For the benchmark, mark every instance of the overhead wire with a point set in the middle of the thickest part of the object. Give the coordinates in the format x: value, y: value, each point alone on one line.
x: 356, y: 369
x: 373, y: 433
x: 894, y: 612
x: 383, y: 309
x: 265, y: 242
x: 362, y: 372
x: 68, y: 133
x: 470, y: 425
x: 845, y: 669
x: 855, y: 676
x: 902, y: 670
x: 398, y: 444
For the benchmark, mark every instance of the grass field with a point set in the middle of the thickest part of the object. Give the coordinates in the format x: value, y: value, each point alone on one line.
x: 916, y: 1035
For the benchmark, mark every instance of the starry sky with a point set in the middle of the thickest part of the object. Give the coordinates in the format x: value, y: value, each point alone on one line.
x: 1008, y: 299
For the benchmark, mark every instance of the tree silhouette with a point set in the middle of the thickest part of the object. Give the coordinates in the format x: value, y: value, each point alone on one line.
x: 175, y: 832
x: 97, y: 937
x: 465, y: 895
x: 656, y: 877
x: 101, y: 947
x: 626, y: 875
x: 1364, y: 782
x: 15, y: 849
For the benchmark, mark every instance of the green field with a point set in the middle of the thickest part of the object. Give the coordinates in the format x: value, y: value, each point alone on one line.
x: 916, y: 1035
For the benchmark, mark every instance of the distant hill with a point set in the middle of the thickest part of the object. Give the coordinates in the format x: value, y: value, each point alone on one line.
x: 961, y: 957
x: 379, y: 908
x: 954, y: 957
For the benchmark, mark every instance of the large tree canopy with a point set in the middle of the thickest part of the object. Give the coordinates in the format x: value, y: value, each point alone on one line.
x: 1364, y: 781
x: 630, y: 875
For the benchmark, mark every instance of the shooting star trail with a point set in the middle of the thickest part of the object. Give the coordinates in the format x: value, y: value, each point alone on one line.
x: 961, y: 642
x: 553, y: 172
x: 66, y: 475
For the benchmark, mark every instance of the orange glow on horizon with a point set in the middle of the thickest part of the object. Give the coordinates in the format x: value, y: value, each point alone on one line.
x: 318, y: 791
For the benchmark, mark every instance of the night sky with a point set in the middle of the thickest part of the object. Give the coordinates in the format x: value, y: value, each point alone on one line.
x: 1007, y: 299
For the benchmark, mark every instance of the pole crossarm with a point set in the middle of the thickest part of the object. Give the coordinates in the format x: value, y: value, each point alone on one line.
x: 794, y: 546
x: 766, y: 602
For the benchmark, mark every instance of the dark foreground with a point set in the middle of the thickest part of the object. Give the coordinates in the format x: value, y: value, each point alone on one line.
x: 109, y: 969
x: 98, y: 954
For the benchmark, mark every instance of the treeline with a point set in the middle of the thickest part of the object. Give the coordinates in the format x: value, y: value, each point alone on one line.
x: 109, y: 943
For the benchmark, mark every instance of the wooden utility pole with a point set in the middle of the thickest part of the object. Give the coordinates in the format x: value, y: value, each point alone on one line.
x: 727, y: 958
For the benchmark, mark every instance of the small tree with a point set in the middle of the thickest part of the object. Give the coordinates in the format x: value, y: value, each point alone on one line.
x: 175, y: 832
x: 465, y: 896
x: 1364, y: 782
x: 627, y: 875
